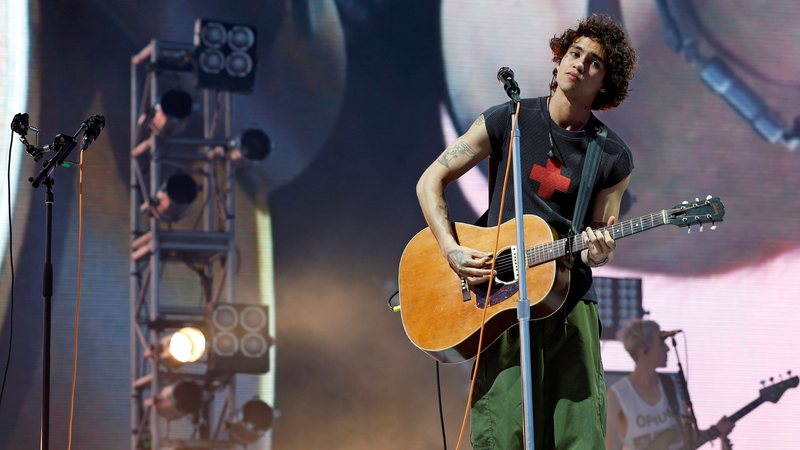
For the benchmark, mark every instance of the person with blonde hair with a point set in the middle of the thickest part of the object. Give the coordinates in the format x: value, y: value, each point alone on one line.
x: 644, y: 412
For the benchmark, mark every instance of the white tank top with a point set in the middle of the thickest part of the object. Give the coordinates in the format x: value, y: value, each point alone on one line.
x: 649, y: 426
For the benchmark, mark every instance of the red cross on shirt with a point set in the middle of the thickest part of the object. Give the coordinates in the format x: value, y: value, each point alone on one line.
x: 549, y: 178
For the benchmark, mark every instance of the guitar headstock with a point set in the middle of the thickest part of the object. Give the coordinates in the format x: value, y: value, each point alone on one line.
x: 774, y: 392
x: 711, y: 210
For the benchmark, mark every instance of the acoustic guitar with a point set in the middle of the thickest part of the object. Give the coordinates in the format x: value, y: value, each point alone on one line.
x: 442, y: 313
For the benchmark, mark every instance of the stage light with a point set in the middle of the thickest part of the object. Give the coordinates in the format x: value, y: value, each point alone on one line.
x: 241, y: 37
x: 252, y: 146
x: 225, y: 55
x: 186, y: 345
x: 239, y: 338
x: 619, y: 300
x: 178, y: 399
x: 213, y: 34
x: 172, y: 201
x: 211, y: 61
x: 251, y: 422
x: 169, y: 113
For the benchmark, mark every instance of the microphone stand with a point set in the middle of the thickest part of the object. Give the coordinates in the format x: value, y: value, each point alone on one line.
x: 64, y: 144
x: 523, y: 303
x: 692, y: 432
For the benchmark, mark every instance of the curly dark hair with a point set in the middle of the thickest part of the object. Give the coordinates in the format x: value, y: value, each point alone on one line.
x: 620, y: 56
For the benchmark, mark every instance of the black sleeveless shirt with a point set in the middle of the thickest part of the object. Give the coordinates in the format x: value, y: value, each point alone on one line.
x: 550, y: 187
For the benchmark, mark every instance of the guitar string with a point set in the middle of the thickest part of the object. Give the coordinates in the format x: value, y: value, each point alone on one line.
x: 544, y: 252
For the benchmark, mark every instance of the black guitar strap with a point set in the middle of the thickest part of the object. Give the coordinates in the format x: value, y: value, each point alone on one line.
x: 672, y: 397
x: 669, y: 391
x: 590, y: 164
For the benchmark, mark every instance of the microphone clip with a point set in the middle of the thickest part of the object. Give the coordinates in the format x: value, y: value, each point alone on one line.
x: 21, y: 125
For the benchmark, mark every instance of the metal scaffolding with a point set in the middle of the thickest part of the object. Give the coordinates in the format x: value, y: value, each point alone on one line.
x: 173, y: 262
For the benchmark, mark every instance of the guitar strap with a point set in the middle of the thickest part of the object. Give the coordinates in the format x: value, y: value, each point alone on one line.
x: 590, y: 164
x: 672, y: 397
x: 669, y: 391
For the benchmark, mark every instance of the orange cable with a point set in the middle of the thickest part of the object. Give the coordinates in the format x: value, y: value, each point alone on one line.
x: 77, y: 304
x: 489, y: 290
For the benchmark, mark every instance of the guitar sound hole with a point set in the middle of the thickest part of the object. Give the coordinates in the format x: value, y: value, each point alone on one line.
x: 505, y: 267
x: 504, y: 284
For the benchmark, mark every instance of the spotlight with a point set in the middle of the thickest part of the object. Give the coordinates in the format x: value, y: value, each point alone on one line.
x: 212, y: 61
x: 252, y: 146
x: 241, y: 37
x: 213, y: 34
x: 186, y: 345
x: 238, y: 64
x: 172, y: 201
x: 225, y: 55
x: 169, y: 113
x: 179, y: 399
x: 239, y: 337
x: 251, y: 422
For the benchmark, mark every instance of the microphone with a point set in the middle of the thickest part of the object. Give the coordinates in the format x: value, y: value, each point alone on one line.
x: 671, y: 333
x: 94, y: 125
x: 506, y: 77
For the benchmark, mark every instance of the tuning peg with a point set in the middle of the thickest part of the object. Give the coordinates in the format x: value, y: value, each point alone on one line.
x: 701, y: 227
x: 789, y: 373
x: 709, y: 197
x: 713, y: 226
x: 763, y: 383
x: 696, y: 199
x: 771, y: 379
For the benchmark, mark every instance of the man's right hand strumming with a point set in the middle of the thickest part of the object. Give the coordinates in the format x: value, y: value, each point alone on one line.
x: 470, y: 264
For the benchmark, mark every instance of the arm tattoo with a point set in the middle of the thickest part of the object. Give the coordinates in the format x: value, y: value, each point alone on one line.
x: 454, y: 151
x: 442, y: 206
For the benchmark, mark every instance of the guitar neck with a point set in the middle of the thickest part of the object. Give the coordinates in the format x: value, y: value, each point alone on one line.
x: 712, y: 433
x: 574, y: 244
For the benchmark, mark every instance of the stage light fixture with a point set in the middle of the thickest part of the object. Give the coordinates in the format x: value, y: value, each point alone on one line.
x: 172, y: 201
x: 169, y: 113
x: 252, y: 146
x: 178, y: 399
x: 619, y: 300
x: 239, y: 336
x: 250, y: 423
x: 186, y: 345
x: 225, y: 54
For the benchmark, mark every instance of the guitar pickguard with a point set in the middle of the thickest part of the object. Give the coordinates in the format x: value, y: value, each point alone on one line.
x: 500, y: 293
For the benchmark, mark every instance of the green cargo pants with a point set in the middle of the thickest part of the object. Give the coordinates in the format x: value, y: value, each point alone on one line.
x: 569, y: 392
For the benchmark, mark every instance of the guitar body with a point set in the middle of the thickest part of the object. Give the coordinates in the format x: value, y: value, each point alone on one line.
x: 442, y: 317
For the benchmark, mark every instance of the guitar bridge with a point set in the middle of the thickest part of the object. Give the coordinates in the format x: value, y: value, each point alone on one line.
x: 465, y: 295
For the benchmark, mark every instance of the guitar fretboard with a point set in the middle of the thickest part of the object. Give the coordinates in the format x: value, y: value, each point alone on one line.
x: 712, y: 433
x: 554, y: 250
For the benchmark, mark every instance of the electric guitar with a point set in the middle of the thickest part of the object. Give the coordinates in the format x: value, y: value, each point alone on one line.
x: 664, y: 439
x: 442, y: 313
x: 770, y: 393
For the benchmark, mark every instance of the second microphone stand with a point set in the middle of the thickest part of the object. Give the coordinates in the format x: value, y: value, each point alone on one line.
x: 691, y: 433
x: 63, y: 145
